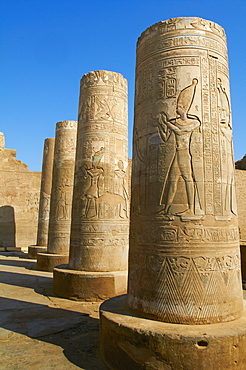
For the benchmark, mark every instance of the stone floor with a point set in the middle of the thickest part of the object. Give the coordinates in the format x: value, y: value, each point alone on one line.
x: 38, y: 330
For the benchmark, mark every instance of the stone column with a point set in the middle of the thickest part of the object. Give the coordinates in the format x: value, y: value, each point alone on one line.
x: 2, y: 141
x: 184, y: 262
x: 61, y: 197
x: 100, y: 217
x: 44, y: 203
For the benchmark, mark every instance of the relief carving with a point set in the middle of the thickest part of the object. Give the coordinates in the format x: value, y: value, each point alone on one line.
x: 62, y: 187
x: 184, y: 239
x: 91, y: 194
x: 228, y: 182
x: 44, y: 212
x: 104, y: 204
x: 121, y: 189
x: 181, y: 164
x: 100, y: 191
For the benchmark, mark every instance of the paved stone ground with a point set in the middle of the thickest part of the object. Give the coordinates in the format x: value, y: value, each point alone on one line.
x: 38, y: 330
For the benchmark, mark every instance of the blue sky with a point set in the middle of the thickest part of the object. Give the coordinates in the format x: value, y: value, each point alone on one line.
x: 46, y: 46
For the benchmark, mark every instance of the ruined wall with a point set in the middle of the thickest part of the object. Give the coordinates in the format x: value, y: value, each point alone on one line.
x: 19, y: 200
x: 241, y: 204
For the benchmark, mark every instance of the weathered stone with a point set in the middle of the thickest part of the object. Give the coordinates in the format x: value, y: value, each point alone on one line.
x: 241, y: 164
x: 61, y: 197
x: 33, y: 251
x: 133, y: 343
x: 88, y: 286
x: 184, y: 257
x: 47, y: 261
x: 241, y: 201
x: 184, y: 238
x: 100, y: 216
x: 19, y: 200
x: 44, y: 202
x: 45, y: 192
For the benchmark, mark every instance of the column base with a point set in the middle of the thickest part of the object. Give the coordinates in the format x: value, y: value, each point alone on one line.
x: 10, y: 249
x: 133, y: 343
x: 47, y: 261
x: 33, y: 250
x: 88, y: 286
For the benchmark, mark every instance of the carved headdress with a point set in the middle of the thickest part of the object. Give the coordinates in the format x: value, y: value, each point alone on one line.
x: 186, y: 96
x: 96, y: 158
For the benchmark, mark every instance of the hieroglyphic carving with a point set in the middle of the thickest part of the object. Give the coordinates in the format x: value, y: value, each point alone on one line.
x: 100, y: 193
x: 19, y: 199
x: 91, y: 194
x: 227, y: 158
x: 208, y: 168
x: 182, y: 180
x: 32, y: 203
x: 45, y: 192
x: 44, y: 213
x: 121, y: 189
x: 181, y: 165
x: 62, y: 188
x: 193, y: 234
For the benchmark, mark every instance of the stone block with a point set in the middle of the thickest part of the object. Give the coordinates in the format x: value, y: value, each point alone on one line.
x: 47, y: 261
x: 89, y: 286
x: 33, y: 250
x: 133, y: 343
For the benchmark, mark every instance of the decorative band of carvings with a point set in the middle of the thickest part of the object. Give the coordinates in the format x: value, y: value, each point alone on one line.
x: 103, y: 78
x: 187, y: 234
x: 100, y: 241
x: 66, y: 125
x: 186, y: 289
x: 186, y: 24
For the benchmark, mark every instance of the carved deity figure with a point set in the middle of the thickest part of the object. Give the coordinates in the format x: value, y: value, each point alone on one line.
x: 46, y: 207
x: 228, y: 185
x: 122, y: 189
x: 181, y: 166
x: 92, y: 192
x: 61, y: 206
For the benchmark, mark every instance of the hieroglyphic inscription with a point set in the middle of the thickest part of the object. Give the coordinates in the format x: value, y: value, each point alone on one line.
x: 182, y: 183
x: 100, y: 193
x: 215, y: 137
x: 208, y: 169
x: 187, y: 234
x: 167, y: 43
x: 62, y: 187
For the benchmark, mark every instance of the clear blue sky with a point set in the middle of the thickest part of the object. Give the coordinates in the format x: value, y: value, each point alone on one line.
x: 46, y: 46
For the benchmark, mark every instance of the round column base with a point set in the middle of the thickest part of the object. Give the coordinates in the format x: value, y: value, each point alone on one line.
x: 88, y: 286
x: 133, y: 343
x: 47, y: 261
x: 33, y: 250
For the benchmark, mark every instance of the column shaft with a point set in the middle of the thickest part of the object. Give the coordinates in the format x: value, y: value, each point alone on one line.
x: 184, y: 243
x: 45, y: 192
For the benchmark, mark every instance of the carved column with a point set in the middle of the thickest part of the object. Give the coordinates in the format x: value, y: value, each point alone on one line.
x: 44, y: 203
x: 100, y: 216
x: 61, y: 197
x: 184, y: 258
x: 2, y: 141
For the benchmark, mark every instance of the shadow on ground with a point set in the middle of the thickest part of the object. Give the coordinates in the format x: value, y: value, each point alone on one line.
x: 22, y: 262
x: 76, y: 333
x: 38, y: 330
